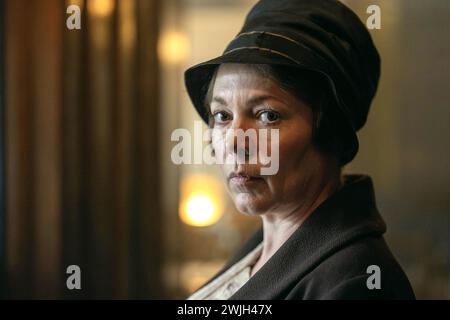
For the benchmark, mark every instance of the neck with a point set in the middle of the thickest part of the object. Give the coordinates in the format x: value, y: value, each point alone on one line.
x: 279, y: 226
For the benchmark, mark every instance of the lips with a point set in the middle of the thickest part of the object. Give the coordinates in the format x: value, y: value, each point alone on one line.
x: 242, y: 178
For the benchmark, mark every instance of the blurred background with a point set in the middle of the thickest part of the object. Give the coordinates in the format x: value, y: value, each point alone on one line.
x: 86, y: 117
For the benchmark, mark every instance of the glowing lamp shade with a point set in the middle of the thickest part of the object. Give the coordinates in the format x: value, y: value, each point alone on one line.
x: 173, y: 47
x: 201, y: 203
x: 200, y: 211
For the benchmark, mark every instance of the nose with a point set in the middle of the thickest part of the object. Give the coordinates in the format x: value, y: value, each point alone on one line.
x: 239, y: 140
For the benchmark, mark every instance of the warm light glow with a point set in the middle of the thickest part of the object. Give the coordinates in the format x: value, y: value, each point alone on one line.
x: 200, y: 210
x: 201, y: 203
x: 100, y: 8
x: 78, y: 3
x: 173, y: 47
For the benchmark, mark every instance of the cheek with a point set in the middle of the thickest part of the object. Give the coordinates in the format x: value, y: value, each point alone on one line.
x: 295, y: 141
x: 292, y: 151
x: 295, y: 144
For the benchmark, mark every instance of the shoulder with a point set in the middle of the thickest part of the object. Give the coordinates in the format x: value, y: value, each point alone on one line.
x: 364, y: 269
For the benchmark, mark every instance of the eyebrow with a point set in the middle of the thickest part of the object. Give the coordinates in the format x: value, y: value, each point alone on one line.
x: 252, y: 101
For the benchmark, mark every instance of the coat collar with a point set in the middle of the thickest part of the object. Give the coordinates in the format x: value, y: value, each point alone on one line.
x: 348, y: 214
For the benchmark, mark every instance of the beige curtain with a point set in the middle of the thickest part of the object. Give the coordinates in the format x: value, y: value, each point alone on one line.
x: 81, y: 124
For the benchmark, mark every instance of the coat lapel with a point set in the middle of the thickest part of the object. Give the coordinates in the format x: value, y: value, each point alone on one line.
x: 345, y: 216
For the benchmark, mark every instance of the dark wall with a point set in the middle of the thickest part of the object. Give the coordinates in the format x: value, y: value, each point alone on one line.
x: 405, y: 144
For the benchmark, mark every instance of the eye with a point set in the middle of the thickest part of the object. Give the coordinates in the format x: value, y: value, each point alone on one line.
x: 221, y: 116
x: 269, y: 116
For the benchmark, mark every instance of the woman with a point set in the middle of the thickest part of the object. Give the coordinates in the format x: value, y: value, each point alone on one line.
x: 310, y: 70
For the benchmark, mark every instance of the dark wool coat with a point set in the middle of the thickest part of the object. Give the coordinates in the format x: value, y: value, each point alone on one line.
x: 328, y: 255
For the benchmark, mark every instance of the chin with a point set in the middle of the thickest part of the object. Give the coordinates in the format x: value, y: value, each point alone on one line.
x: 249, y: 205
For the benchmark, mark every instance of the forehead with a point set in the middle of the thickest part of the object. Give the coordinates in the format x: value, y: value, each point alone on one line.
x: 234, y: 77
x: 246, y: 85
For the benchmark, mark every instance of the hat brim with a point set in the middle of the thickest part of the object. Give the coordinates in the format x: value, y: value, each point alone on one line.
x: 198, y: 77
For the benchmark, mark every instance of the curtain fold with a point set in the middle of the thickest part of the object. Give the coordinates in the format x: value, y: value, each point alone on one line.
x: 82, y: 145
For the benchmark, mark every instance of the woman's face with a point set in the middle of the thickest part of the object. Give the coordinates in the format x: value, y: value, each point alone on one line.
x: 243, y: 99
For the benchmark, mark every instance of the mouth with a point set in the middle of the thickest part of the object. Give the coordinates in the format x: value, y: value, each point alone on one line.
x: 242, y: 178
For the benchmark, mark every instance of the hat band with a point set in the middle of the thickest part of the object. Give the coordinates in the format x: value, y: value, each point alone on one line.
x: 278, y: 44
x: 264, y: 49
